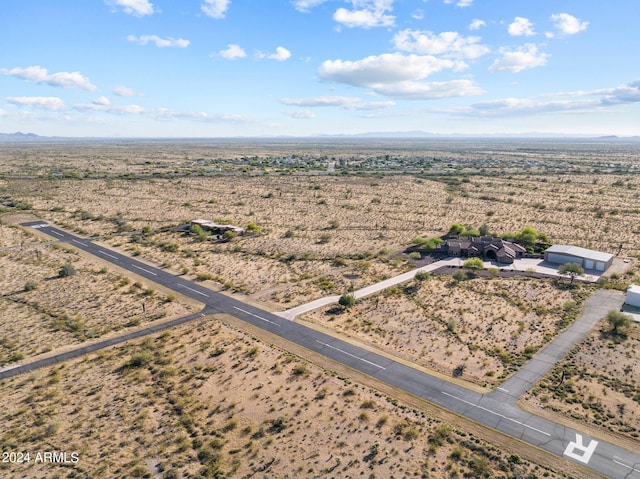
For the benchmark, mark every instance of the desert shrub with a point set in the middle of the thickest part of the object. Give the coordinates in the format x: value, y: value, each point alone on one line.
x: 460, y: 275
x: 619, y: 323
x: 254, y: 228
x: 66, y: 270
x: 169, y: 246
x: 473, y: 263
x: 324, y: 238
x: 415, y: 255
x: 300, y: 370
x: 347, y: 301
x: 139, y: 359
x: 30, y: 285
x: 421, y: 276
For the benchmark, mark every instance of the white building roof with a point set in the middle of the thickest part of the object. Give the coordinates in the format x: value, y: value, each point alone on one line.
x: 580, y: 252
x: 634, y: 288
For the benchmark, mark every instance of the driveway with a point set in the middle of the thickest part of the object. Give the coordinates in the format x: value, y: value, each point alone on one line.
x: 595, y: 308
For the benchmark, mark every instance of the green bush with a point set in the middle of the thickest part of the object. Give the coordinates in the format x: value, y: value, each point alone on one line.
x: 347, y: 301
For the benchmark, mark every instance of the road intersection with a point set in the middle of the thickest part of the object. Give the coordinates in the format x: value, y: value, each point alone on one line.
x: 496, y: 410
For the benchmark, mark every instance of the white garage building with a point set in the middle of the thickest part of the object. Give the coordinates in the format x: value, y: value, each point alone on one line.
x: 633, y: 295
x: 588, y: 259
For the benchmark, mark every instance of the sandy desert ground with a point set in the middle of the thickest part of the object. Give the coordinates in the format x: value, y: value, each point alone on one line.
x: 205, y: 400
x: 479, y: 330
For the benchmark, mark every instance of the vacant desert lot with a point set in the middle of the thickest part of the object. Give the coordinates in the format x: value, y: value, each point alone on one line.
x: 40, y: 311
x: 600, y: 387
x: 480, y: 329
x: 209, y: 401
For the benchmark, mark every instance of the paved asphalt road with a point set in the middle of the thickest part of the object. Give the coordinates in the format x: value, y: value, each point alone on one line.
x: 491, y: 410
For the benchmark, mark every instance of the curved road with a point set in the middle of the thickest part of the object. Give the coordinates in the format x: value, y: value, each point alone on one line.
x: 495, y: 410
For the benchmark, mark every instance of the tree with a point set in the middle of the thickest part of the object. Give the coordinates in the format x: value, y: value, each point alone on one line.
x: 456, y: 229
x: 470, y: 232
x: 347, y: 301
x: 473, y: 263
x: 619, y: 322
x: 571, y: 269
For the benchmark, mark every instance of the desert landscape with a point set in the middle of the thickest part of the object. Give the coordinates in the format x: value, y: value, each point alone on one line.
x: 207, y: 400
x: 322, y: 218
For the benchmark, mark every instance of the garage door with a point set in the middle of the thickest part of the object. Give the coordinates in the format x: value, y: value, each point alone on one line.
x: 588, y: 264
x: 562, y: 259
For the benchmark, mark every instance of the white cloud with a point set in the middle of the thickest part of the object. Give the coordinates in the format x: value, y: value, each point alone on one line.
x: 561, y: 102
x: 46, y: 102
x: 568, y: 24
x: 629, y: 93
x: 528, y: 106
x: 281, y: 54
x: 103, y: 100
x: 215, y: 8
x: 461, y: 3
x: 108, y: 108
x: 37, y: 74
x: 418, y: 14
x: 446, y: 43
x: 2, y: 112
x: 396, y: 75
x: 385, y: 68
x: 520, y: 59
x: 362, y: 18
x: 232, y: 52
x: 476, y: 24
x: 366, y: 14
x: 306, y: 5
x: 412, y: 90
x: 346, y: 102
x: 138, y: 8
x: 125, y: 91
x: 159, y: 42
x: 521, y: 27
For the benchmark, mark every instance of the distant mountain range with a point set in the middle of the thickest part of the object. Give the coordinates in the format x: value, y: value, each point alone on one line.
x: 18, y: 136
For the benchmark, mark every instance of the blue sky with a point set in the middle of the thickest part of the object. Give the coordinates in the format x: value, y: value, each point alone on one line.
x: 218, y: 68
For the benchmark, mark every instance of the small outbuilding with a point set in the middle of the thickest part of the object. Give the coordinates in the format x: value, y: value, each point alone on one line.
x: 588, y: 259
x: 633, y: 296
x: 217, y: 228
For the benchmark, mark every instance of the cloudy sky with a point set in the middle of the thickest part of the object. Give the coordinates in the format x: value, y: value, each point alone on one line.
x: 215, y: 68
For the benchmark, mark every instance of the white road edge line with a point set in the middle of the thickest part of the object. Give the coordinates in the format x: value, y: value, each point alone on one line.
x: 194, y: 290
x: 145, y: 270
x: 106, y: 254
x: 352, y: 355
x: 496, y: 413
x: 256, y: 316
x: 502, y: 389
x: 633, y: 469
